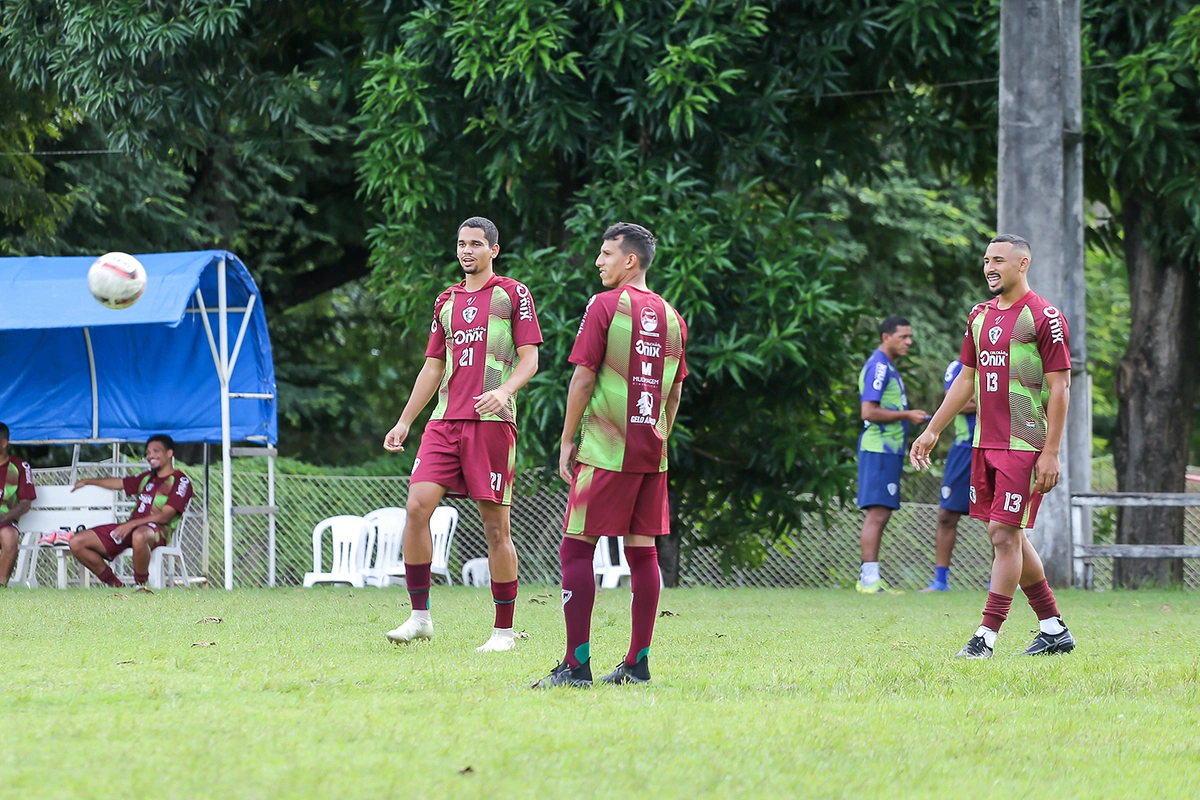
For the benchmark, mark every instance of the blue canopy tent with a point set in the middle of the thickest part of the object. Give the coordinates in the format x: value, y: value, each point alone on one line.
x: 73, y: 371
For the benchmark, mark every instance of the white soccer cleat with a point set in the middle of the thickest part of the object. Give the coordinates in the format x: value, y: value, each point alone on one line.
x: 501, y: 641
x: 411, y: 630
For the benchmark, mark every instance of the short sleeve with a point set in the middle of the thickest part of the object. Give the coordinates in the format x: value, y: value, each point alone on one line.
x: 966, y: 356
x: 875, y: 378
x: 437, y: 337
x: 181, y: 493
x: 25, y: 487
x: 132, y: 484
x: 683, y: 371
x: 952, y: 371
x: 1053, y: 340
x: 525, y: 327
x: 591, y: 342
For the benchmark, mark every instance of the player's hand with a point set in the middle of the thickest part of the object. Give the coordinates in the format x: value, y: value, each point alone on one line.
x: 918, y: 454
x: 79, y: 484
x: 394, y: 441
x: 917, y: 417
x: 492, y: 402
x: 119, y: 533
x: 566, y: 460
x: 1046, y: 473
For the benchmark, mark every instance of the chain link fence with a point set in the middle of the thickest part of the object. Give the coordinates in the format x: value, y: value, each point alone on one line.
x: 824, y: 553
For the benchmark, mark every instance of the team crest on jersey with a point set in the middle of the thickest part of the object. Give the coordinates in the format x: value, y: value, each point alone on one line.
x: 946, y: 492
x: 891, y: 487
x: 469, y: 314
x: 994, y: 333
x: 649, y: 320
x: 973, y: 494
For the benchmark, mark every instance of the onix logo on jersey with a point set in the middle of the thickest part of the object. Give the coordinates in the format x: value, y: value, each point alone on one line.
x: 649, y: 320
x: 469, y: 314
x: 182, y: 488
x: 881, y: 372
x: 994, y: 334
x: 470, y: 335
x: 990, y: 358
x: 648, y: 349
x: 1057, y: 335
x: 525, y: 304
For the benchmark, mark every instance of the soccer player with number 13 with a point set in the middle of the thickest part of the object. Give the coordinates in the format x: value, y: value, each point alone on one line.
x: 1016, y: 362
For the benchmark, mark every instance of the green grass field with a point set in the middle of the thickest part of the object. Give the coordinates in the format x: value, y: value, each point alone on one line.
x: 756, y: 693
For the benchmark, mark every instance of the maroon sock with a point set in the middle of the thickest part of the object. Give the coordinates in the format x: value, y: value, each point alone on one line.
x: 110, y: 578
x: 578, y: 597
x: 504, y: 595
x: 995, y: 610
x: 644, y: 583
x: 141, y: 577
x: 1041, y: 599
x: 416, y: 577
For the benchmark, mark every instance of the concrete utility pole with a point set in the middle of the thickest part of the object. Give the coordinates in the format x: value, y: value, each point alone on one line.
x: 1040, y: 197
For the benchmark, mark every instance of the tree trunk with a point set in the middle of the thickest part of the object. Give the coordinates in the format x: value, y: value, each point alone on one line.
x: 1156, y: 389
x: 668, y: 546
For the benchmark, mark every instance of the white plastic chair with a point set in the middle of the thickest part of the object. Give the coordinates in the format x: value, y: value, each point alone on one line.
x: 610, y: 574
x: 386, y: 530
x: 476, y: 572
x: 349, y: 545
x: 442, y: 527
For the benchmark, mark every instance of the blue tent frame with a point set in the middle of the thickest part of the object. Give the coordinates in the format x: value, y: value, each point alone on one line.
x: 75, y: 372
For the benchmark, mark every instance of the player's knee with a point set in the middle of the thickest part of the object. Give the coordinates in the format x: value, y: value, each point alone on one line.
x: 8, y: 538
x: 496, y: 534
x: 78, y: 543
x: 1004, y: 539
x: 947, y: 518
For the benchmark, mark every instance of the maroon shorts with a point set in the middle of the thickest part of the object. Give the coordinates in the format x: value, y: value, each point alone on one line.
x: 1002, y: 487
x: 113, y: 549
x: 470, y: 458
x: 604, y: 503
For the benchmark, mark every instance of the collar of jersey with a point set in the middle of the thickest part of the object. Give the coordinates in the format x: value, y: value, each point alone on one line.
x: 462, y: 285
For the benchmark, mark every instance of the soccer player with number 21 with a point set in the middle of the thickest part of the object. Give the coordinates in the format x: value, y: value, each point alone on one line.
x: 483, y: 347
x: 1016, y: 363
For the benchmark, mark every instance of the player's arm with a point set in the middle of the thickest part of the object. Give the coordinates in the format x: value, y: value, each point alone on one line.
x: 116, y: 484
x: 493, y: 402
x: 871, y: 412
x: 423, y: 391
x: 583, y: 381
x: 16, y: 512
x: 962, y: 391
x: 1047, y: 468
x: 673, y: 405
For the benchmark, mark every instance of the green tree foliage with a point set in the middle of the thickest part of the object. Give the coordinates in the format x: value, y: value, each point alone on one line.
x: 707, y: 123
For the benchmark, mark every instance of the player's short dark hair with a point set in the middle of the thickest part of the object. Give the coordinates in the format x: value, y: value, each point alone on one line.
x: 490, y: 232
x: 889, y: 325
x: 1019, y: 242
x: 3, y: 431
x: 633, y: 239
x: 163, y: 439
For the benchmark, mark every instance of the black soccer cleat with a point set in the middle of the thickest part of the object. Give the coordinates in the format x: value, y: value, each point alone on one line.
x: 580, y: 677
x: 638, y: 673
x: 976, y: 648
x: 1047, y: 644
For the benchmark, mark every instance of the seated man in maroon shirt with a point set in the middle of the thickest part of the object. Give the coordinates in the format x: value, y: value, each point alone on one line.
x: 162, y: 493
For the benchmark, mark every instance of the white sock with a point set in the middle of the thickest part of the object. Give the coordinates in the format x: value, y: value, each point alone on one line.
x: 989, y: 636
x: 1052, y: 626
x: 868, y: 573
x: 422, y: 615
x: 503, y: 633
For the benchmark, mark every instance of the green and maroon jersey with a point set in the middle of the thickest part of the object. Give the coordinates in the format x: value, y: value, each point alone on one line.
x: 153, y: 493
x: 16, y: 484
x: 1011, y: 350
x: 477, y: 334
x: 634, y: 341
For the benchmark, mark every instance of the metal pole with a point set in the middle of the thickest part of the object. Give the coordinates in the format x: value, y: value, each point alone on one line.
x: 226, y: 458
x: 271, y: 522
x: 1032, y: 201
x: 207, y: 521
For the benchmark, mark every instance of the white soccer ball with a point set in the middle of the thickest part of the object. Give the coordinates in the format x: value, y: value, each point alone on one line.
x: 117, y: 280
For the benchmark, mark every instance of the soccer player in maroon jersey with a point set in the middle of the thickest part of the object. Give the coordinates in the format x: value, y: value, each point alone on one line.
x: 629, y: 371
x: 1016, y: 363
x: 483, y: 347
x: 162, y: 493
x: 16, y: 495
